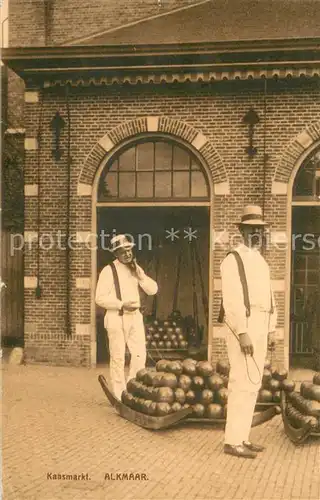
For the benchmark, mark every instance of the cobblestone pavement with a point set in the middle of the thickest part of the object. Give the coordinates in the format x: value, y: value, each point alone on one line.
x: 58, y: 421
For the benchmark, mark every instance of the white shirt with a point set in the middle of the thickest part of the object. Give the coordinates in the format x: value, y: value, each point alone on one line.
x: 129, y: 287
x: 259, y: 287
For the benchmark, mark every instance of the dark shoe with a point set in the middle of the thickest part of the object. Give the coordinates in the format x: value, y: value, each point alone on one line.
x: 253, y: 447
x: 239, y: 451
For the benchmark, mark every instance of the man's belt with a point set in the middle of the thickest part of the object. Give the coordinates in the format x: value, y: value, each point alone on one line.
x: 122, y: 312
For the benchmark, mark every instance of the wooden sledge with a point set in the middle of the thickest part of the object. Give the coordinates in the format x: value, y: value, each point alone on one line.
x: 296, y: 435
x: 146, y: 421
x: 259, y: 417
x: 182, y: 416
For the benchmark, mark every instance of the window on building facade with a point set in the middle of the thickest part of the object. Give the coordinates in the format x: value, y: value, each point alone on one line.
x: 153, y: 170
x: 307, y: 181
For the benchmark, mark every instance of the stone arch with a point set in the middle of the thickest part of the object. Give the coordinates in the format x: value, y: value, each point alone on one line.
x: 293, y: 152
x: 153, y: 124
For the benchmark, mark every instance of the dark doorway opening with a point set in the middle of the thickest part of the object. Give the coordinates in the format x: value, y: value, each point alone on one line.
x: 305, y: 286
x: 172, y: 245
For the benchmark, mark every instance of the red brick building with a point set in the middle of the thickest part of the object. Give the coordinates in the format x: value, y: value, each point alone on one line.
x: 177, y: 119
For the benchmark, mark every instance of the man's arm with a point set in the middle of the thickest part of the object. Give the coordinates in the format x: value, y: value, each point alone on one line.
x: 233, y: 301
x: 148, y: 285
x: 105, y: 296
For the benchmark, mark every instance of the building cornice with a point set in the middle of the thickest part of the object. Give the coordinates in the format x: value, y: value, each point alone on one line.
x: 166, y: 62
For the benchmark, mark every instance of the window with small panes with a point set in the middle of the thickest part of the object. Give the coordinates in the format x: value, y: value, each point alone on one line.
x: 307, y: 181
x: 155, y: 169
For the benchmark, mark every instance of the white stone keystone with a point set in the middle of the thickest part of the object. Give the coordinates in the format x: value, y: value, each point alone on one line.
x: 30, y: 282
x: 30, y: 144
x: 84, y: 189
x: 106, y: 143
x: 152, y: 123
x: 199, y: 141
x: 279, y: 187
x: 304, y: 139
x: 83, y: 283
x: 31, y: 96
x: 31, y: 189
x: 221, y: 188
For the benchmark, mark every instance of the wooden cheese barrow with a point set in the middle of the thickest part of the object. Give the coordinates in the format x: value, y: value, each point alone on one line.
x: 267, y: 411
x: 141, y: 419
x: 296, y: 435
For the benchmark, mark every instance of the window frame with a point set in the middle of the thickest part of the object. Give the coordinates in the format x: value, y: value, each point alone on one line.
x: 315, y: 196
x: 192, y: 158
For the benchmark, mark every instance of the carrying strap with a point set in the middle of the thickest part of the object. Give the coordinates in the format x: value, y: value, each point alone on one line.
x: 244, y: 284
x: 245, y: 289
x: 116, y: 284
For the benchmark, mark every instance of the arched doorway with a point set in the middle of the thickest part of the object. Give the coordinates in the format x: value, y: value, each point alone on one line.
x: 305, y: 264
x: 156, y: 190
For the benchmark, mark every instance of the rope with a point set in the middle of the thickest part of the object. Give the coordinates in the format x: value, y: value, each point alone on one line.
x: 246, y: 359
x: 254, y: 383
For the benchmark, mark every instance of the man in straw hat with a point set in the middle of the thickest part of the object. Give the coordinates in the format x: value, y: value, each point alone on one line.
x: 118, y: 292
x: 251, y: 317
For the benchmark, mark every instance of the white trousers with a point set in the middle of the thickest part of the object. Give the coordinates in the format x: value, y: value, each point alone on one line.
x: 121, y: 330
x: 243, y: 392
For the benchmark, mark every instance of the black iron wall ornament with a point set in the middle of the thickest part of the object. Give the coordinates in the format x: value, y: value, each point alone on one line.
x: 57, y: 124
x: 251, y: 119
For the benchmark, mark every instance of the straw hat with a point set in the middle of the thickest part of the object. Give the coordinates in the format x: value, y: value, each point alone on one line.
x: 252, y: 216
x: 120, y: 241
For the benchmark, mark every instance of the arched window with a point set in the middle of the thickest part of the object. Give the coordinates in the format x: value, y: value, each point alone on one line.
x: 307, y: 181
x: 154, y: 169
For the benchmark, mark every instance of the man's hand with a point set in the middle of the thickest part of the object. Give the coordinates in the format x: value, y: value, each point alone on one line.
x: 138, y: 271
x: 246, y: 344
x: 130, y: 305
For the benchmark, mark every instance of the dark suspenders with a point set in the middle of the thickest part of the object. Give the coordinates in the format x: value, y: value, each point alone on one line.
x: 244, y: 282
x: 245, y: 290
x: 116, y: 284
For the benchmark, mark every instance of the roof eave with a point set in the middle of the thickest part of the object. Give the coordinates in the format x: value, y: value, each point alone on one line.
x: 311, y: 43
x: 31, y: 62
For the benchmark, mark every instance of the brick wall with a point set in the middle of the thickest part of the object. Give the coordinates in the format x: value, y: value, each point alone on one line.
x: 57, y: 350
x: 68, y: 20
x: 213, y: 111
x: 72, y: 19
x: 15, y: 114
